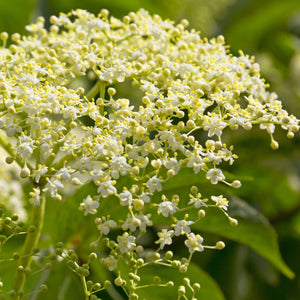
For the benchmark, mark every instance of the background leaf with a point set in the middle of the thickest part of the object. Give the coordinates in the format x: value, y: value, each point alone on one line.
x: 14, y: 15
x: 253, y: 230
x: 209, y: 289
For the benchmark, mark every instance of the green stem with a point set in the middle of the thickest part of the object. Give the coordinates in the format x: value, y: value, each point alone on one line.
x: 31, y: 241
x: 93, y: 91
x: 86, y: 293
x: 102, y: 96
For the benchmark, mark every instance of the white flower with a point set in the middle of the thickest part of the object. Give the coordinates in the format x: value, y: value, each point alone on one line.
x: 119, y: 167
x: 35, y: 196
x: 167, y: 208
x: 165, y: 238
x: 126, y: 242
x: 144, y: 222
x: 196, y: 163
x: 106, y: 188
x: 42, y: 170
x: 145, y: 197
x: 154, y: 184
x: 89, y: 205
x: 140, y: 222
x: 110, y: 262
x: 53, y: 186
x: 194, y: 242
x: 25, y: 146
x: 125, y: 198
x: 221, y: 202
x: 182, y: 227
x: 214, y: 125
x: 65, y: 173
x: 197, y: 201
x: 104, y: 227
x: 215, y: 175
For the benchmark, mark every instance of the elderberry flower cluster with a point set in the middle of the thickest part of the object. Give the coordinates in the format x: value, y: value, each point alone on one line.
x: 63, y: 136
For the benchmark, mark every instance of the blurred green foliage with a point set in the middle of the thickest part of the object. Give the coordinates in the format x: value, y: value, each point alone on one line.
x: 269, y: 30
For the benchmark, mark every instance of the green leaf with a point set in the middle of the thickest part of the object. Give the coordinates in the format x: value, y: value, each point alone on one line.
x: 209, y: 289
x: 253, y: 230
x: 64, y: 221
x: 61, y: 282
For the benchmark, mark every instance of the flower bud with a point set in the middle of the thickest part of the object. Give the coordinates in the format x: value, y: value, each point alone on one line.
x: 107, y: 284
x: 168, y: 255
x: 181, y: 291
x: 25, y: 172
x: 76, y: 181
x: 111, y: 91
x: 156, y: 280
x: 43, y: 288
x: 139, y: 249
x: 183, y: 268
x: 9, y: 160
x: 274, y: 145
x: 220, y: 245
x: 133, y: 27
x: 247, y: 126
x: 190, y: 124
x: 236, y: 184
x: 118, y: 281
x: 4, y: 36
x: 170, y: 284
x: 201, y: 213
x: 233, y: 222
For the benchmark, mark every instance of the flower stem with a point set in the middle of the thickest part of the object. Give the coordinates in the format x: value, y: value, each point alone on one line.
x: 86, y: 293
x: 31, y: 241
x: 93, y: 91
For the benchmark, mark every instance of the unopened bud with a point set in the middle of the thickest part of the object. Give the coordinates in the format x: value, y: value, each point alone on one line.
x: 25, y: 172
x: 118, y: 281
x: 201, y: 213
x: 183, y: 268
x: 236, y: 184
x: 76, y: 181
x: 274, y: 145
x: 248, y: 126
x: 181, y: 291
x: 111, y: 91
x: 9, y: 160
x: 233, y: 222
x: 220, y: 245
x: 156, y: 280
x: 196, y: 287
x: 190, y: 124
